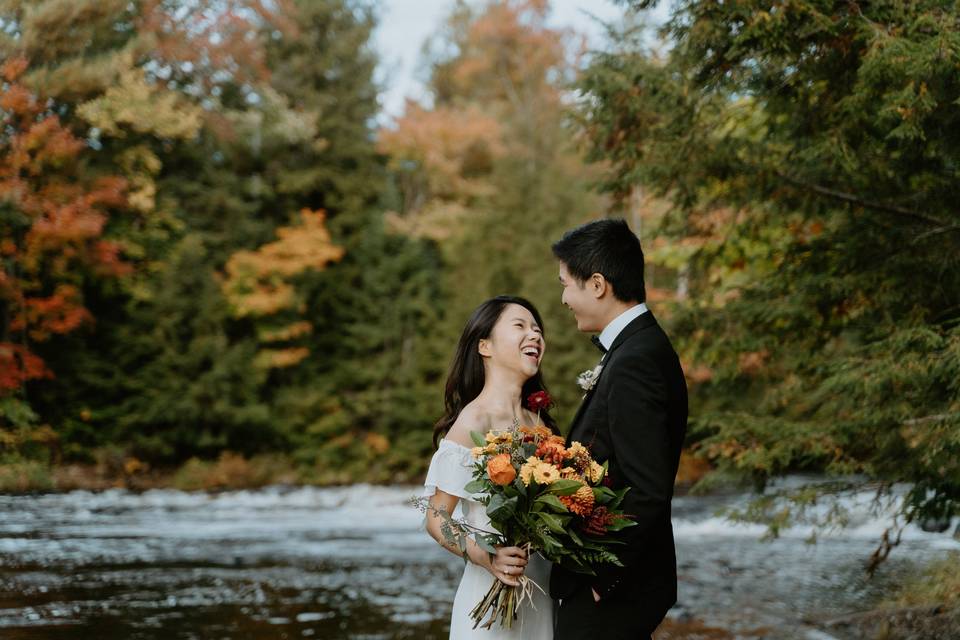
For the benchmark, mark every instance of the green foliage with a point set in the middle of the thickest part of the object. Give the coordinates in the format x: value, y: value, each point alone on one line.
x: 939, y: 584
x: 364, y: 402
x: 810, y: 153
x: 219, y: 154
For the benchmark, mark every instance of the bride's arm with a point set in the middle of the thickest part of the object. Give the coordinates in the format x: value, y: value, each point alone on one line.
x: 506, y: 565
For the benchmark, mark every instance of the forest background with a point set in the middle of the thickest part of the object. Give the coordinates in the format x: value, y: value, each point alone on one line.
x: 217, y: 269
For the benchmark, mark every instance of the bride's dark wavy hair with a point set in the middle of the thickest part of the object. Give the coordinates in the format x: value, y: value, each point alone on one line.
x: 466, y: 377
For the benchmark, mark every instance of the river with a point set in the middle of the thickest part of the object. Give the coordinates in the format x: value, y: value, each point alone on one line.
x: 352, y: 562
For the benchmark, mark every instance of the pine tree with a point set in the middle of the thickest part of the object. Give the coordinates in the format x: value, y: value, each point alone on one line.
x: 810, y: 150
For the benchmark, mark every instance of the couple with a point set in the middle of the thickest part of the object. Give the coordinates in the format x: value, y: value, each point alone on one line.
x: 634, y: 417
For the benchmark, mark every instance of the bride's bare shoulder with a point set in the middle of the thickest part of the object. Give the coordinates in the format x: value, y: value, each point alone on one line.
x: 471, y: 418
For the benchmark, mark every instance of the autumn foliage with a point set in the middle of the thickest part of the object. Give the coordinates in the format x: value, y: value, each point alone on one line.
x: 260, y: 283
x: 52, y: 225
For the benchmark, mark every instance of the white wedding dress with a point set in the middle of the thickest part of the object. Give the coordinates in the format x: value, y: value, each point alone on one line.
x: 450, y: 470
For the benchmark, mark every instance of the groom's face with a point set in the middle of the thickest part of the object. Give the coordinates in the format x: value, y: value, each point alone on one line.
x: 579, y: 298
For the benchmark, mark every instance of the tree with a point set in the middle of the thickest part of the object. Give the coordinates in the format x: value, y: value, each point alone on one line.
x: 810, y: 152
x: 490, y: 172
x: 259, y: 285
x: 52, y: 218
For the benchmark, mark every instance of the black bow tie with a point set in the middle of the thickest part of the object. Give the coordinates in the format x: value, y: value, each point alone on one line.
x: 599, y: 345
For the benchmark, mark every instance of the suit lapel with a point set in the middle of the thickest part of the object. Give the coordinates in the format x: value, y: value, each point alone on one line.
x: 583, y: 404
x: 639, y: 323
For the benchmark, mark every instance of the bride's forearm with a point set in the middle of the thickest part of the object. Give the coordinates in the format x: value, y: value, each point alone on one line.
x: 479, y: 556
x: 474, y: 553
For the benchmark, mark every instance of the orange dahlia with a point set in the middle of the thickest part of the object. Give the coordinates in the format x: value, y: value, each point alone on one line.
x: 581, y: 502
x: 552, y: 450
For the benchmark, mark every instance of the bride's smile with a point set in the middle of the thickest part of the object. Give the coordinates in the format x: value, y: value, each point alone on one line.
x: 516, y: 332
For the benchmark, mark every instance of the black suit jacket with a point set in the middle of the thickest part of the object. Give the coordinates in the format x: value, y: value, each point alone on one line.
x: 635, y: 418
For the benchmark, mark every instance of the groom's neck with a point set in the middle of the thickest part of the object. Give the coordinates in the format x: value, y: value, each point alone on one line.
x: 612, y: 310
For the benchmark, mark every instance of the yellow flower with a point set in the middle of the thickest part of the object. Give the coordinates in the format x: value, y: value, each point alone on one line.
x: 577, y: 449
x: 596, y: 472
x: 498, y: 437
x: 569, y: 473
x: 545, y: 473
x: 526, y: 471
x: 476, y: 452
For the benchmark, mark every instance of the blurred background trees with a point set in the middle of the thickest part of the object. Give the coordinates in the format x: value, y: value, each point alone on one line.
x: 210, y: 249
x: 809, y: 153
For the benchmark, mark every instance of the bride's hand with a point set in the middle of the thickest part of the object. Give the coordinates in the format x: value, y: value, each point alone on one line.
x: 507, y: 564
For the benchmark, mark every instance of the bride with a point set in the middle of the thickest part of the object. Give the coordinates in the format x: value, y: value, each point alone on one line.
x: 496, y: 366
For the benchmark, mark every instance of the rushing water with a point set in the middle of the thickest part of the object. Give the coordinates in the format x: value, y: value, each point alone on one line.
x: 353, y: 562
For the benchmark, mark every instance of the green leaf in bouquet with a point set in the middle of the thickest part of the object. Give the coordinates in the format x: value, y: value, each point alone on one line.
x: 615, y: 503
x: 475, y: 486
x: 547, y: 541
x: 603, y: 495
x: 500, y: 508
x: 573, y: 536
x: 599, y: 544
x: 620, y: 523
x: 552, y: 501
x: 485, y: 544
x: 564, y: 487
x: 574, y: 564
x: 520, y: 487
x: 528, y: 449
x: 478, y: 438
x: 554, y: 523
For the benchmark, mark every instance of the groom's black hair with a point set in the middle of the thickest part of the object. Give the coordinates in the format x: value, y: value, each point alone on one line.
x: 607, y: 247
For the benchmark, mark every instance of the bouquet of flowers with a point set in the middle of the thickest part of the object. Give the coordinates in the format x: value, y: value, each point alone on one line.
x: 543, y: 496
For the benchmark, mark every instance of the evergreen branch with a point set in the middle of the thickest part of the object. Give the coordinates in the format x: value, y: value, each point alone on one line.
x: 933, y: 418
x: 942, y: 225
x: 932, y: 232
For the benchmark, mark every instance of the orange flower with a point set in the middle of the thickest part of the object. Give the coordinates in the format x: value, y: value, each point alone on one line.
x: 540, y: 432
x: 581, y: 502
x: 552, y: 450
x: 501, y: 470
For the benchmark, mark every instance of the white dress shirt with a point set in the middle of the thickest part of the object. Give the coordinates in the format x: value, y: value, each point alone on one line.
x: 612, y: 330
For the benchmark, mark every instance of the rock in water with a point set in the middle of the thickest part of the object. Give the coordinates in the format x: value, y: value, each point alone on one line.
x: 935, y: 524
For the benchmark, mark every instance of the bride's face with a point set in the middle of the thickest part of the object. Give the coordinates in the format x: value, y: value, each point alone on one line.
x: 515, y: 343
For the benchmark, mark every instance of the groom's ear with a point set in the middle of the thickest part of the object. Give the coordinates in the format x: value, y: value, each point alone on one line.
x: 598, y: 285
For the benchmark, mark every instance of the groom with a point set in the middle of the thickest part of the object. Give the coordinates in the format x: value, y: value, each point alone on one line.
x: 634, y: 417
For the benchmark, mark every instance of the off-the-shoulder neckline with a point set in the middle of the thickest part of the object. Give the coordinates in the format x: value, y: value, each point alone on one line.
x: 455, y: 444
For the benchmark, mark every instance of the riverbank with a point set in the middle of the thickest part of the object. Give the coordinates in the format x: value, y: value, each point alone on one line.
x: 229, y: 471
x: 929, y: 622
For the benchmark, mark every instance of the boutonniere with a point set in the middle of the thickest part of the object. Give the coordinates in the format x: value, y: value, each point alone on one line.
x: 588, y: 379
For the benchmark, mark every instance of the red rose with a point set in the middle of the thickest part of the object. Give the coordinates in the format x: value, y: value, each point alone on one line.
x: 539, y: 401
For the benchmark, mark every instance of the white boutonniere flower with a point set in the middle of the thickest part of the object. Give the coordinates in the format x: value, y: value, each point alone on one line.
x: 588, y: 379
